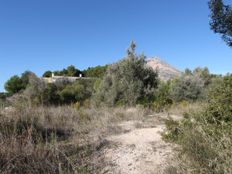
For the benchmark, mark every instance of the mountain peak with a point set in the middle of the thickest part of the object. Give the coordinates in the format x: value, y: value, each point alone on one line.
x: 165, y: 70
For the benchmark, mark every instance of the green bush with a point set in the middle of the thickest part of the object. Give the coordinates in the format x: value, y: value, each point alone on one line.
x: 205, y: 136
x: 128, y: 81
x: 219, y: 109
x: 162, y: 98
x: 34, y: 92
x: 190, y: 86
x: 78, y: 91
x: 2, y: 99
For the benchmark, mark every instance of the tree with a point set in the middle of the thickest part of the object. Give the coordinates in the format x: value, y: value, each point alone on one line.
x: 204, y: 74
x: 25, y: 78
x: 14, y: 85
x: 97, y: 72
x: 221, y: 20
x: 128, y: 81
x: 47, y: 74
x: 70, y: 71
x: 189, y: 86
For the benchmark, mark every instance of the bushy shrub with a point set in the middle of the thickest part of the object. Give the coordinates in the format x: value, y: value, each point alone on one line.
x: 2, y: 99
x: 128, y: 81
x: 38, y: 92
x: 34, y: 92
x: 162, y: 98
x: 205, y: 136
x: 51, y: 96
x: 190, y: 86
x: 78, y: 91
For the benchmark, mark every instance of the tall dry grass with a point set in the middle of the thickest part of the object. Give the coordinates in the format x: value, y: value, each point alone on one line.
x: 57, y: 139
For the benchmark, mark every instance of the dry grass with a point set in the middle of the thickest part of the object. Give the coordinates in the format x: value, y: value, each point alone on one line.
x: 185, y: 107
x: 57, y: 139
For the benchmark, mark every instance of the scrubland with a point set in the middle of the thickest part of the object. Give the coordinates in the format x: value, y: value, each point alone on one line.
x: 128, y: 114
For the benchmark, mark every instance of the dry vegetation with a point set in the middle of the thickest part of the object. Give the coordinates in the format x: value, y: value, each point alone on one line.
x: 204, y: 134
x: 57, y: 139
x: 63, y: 127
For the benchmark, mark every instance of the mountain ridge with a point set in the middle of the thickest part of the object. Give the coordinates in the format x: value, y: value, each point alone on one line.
x: 165, y: 70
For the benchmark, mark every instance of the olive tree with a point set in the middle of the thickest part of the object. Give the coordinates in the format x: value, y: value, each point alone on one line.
x: 128, y: 81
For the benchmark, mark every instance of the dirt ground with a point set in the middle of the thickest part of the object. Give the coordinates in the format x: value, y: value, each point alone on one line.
x: 139, y: 149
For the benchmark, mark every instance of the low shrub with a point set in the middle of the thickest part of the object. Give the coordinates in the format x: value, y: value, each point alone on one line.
x: 162, y: 98
x: 205, y: 136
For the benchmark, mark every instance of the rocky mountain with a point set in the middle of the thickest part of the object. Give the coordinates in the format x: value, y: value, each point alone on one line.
x: 165, y: 70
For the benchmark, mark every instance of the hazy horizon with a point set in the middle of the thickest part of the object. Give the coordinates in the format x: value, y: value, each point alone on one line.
x: 42, y: 35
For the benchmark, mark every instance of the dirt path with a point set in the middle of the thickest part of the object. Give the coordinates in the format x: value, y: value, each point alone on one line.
x: 139, y: 150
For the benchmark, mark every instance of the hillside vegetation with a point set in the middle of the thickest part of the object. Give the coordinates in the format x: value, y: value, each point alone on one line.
x: 59, y: 127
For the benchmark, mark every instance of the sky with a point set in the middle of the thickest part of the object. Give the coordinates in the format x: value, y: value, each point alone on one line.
x: 40, y: 35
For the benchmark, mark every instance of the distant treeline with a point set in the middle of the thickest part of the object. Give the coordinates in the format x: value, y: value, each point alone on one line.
x: 72, y: 71
x: 128, y: 82
x: 56, y: 93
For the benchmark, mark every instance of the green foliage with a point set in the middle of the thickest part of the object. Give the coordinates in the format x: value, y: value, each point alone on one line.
x: 221, y: 20
x: 51, y: 95
x: 190, y: 86
x: 219, y: 109
x: 174, y: 131
x: 67, y: 95
x: 3, y: 95
x: 2, y: 99
x: 78, y: 91
x: 16, y: 84
x: 204, y: 74
x: 47, y: 74
x: 205, y: 136
x: 35, y: 90
x: 128, y: 81
x: 25, y: 78
x: 71, y: 71
x: 97, y: 72
x: 40, y: 93
x: 162, y: 98
x: 97, y: 84
x: 187, y: 88
x: 76, y: 105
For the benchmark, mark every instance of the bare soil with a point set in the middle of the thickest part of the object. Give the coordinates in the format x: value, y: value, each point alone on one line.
x: 139, y: 149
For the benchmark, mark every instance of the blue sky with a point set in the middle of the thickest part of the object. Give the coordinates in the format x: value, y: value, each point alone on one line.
x: 42, y: 35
